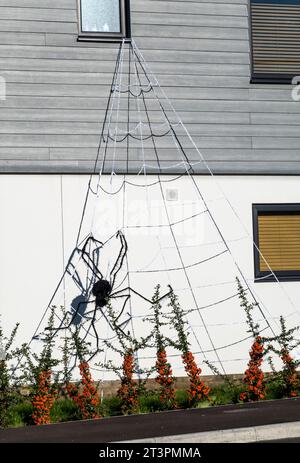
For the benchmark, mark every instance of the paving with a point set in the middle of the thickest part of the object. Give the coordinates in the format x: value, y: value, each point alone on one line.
x: 159, y: 425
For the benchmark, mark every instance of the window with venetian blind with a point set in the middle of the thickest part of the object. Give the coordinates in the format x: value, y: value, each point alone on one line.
x: 277, y: 236
x: 275, y: 37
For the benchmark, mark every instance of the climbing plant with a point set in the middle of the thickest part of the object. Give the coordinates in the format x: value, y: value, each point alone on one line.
x: 254, y: 376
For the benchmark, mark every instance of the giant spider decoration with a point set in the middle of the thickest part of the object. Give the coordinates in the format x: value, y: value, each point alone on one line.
x: 103, y: 290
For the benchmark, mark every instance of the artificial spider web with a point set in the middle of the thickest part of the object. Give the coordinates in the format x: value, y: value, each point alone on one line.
x: 136, y: 236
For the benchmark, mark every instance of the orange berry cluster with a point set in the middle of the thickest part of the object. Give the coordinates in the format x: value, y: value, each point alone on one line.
x: 86, y: 395
x: 165, y: 379
x: 198, y: 390
x: 254, y: 377
x: 43, y: 399
x: 128, y: 390
x: 291, y: 376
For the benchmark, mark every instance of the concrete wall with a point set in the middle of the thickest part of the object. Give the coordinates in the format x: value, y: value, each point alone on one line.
x: 57, y: 88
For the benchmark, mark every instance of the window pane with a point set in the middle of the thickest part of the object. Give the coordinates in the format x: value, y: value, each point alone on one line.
x: 279, y: 241
x: 100, y: 15
x: 275, y: 37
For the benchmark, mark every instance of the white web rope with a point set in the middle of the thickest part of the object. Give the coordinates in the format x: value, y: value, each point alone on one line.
x: 150, y: 178
x: 202, y: 159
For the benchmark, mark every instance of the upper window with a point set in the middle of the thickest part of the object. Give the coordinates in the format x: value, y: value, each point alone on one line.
x: 104, y: 19
x: 275, y: 30
x: 277, y: 241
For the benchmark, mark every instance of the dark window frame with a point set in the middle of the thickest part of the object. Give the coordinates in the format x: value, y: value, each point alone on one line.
x: 261, y: 78
x: 125, y: 26
x: 259, y: 209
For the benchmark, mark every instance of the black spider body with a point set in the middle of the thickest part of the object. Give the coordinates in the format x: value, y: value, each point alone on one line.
x: 101, y: 290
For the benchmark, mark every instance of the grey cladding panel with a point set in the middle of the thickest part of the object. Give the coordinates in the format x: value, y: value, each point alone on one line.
x: 57, y: 89
x: 200, y: 8
x: 30, y: 27
x: 38, y: 14
x: 64, y: 4
x: 18, y: 38
x: 190, y: 20
x: 107, y: 54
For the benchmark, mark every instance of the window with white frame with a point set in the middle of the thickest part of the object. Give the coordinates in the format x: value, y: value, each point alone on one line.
x: 104, y: 19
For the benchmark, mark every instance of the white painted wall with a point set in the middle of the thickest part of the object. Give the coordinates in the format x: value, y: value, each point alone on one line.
x: 40, y: 215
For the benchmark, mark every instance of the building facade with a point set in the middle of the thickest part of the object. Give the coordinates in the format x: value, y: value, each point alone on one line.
x: 229, y: 77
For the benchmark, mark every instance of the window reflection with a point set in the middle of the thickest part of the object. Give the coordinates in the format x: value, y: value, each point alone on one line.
x: 100, y: 16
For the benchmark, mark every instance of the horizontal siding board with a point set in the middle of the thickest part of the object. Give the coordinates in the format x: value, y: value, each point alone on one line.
x: 161, y: 19
x: 102, y: 91
x: 63, y: 140
x: 60, y: 115
x: 39, y: 14
x: 91, y: 128
x: 18, y: 38
x: 93, y: 78
x: 270, y: 94
x: 211, y: 154
x: 194, y: 44
x: 56, y: 4
x: 275, y: 118
x: 155, y: 43
x: 107, y: 54
x: 279, y: 142
x: 219, y: 168
x: 180, y: 105
x: 200, y: 8
x: 226, y: 33
x: 24, y: 153
x: 175, y: 93
x: 108, y: 67
x: 30, y: 27
x: 27, y: 166
x: 254, y: 155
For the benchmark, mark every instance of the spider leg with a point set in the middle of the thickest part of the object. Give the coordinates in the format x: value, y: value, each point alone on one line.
x: 75, y: 277
x: 113, y: 326
x: 92, y: 325
x: 118, y: 294
x: 90, y: 262
x: 98, y: 243
x: 120, y: 259
x: 66, y: 327
x: 127, y: 297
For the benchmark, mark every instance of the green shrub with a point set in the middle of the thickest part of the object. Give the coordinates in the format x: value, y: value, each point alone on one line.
x: 150, y: 402
x: 182, y: 399
x: 64, y: 410
x: 111, y: 406
x: 226, y: 394
x: 20, y: 414
x: 203, y: 404
x: 274, y: 390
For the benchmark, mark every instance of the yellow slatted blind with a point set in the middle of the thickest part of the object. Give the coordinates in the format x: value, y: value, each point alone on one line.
x: 275, y: 38
x: 279, y: 241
